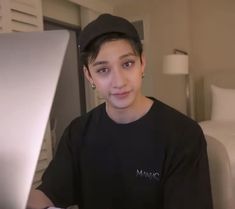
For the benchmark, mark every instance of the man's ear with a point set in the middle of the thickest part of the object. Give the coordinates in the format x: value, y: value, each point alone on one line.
x: 87, y: 75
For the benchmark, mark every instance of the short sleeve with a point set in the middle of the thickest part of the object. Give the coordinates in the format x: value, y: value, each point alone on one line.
x: 187, y: 183
x: 59, y: 182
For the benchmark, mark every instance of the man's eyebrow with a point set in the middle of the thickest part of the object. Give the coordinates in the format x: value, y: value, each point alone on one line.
x: 128, y: 55
x: 99, y: 63
x: 106, y: 62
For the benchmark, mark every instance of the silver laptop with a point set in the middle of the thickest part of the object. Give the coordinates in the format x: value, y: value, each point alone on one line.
x: 30, y: 65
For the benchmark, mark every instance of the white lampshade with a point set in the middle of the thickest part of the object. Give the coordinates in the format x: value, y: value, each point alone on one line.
x: 175, y: 64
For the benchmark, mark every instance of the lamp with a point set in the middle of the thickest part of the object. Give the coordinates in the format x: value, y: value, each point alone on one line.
x: 177, y: 64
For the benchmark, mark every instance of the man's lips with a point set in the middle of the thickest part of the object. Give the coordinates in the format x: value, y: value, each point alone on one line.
x: 121, y: 94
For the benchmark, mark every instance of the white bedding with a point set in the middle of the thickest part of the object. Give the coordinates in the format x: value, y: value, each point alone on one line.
x: 218, y: 105
x: 225, y: 133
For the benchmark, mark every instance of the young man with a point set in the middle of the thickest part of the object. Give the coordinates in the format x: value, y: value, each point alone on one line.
x: 132, y: 152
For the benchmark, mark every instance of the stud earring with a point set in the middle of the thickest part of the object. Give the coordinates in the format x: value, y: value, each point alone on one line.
x: 142, y: 75
x: 93, y: 86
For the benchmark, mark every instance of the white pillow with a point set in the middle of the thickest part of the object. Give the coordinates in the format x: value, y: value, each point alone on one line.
x: 223, y: 104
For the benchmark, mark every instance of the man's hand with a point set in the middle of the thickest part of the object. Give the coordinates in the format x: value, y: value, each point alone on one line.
x: 38, y: 200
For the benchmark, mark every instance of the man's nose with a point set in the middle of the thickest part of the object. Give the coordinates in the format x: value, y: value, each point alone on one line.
x: 119, y: 78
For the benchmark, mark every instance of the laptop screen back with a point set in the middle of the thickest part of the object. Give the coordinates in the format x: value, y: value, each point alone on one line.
x: 30, y: 65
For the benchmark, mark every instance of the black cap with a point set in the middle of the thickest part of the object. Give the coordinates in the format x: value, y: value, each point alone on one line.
x: 104, y: 24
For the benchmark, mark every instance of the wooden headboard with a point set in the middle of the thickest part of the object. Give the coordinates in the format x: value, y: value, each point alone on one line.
x: 225, y: 79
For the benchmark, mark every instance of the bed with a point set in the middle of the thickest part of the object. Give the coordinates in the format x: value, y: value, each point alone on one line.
x: 219, y: 129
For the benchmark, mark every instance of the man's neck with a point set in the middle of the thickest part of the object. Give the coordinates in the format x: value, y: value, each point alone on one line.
x: 132, y: 113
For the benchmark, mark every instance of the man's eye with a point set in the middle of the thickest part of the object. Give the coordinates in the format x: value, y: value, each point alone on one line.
x: 128, y: 64
x: 102, y: 70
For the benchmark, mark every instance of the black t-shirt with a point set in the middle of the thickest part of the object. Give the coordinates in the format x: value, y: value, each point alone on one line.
x: 157, y: 162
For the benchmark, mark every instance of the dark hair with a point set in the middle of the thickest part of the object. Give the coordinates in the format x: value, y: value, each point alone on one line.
x: 91, y: 51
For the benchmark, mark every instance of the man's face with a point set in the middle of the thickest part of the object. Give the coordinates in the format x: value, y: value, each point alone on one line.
x: 117, y: 73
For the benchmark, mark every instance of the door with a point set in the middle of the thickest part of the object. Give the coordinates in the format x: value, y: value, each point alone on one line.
x: 69, y: 99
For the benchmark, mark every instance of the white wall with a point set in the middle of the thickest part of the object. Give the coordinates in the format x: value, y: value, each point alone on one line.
x: 101, y: 6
